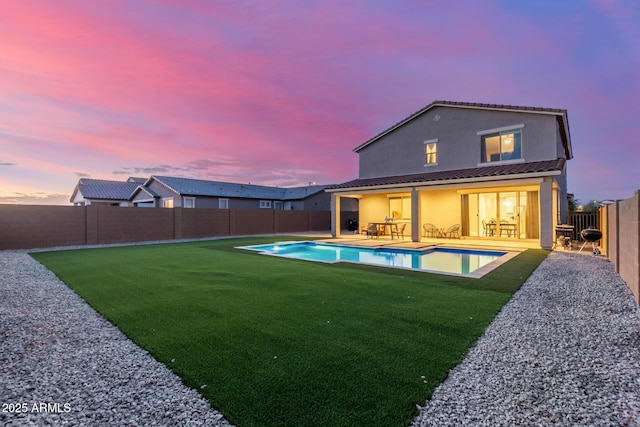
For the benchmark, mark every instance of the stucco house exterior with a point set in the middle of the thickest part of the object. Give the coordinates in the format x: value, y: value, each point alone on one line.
x: 499, y: 171
x: 168, y: 192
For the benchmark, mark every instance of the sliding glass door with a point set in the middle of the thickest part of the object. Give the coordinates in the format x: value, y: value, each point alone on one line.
x: 508, y: 214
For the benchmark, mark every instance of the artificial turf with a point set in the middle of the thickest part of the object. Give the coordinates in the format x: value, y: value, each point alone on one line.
x: 281, y: 342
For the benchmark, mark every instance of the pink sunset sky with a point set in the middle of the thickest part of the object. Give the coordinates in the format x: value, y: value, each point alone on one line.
x: 280, y: 92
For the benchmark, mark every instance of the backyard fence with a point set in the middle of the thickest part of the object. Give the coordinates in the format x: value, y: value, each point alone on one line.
x: 623, y: 240
x: 583, y: 220
x: 27, y: 227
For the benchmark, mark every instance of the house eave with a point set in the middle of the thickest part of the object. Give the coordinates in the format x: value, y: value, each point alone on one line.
x: 424, y: 184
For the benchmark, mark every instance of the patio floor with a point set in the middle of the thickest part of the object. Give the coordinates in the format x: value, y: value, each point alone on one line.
x: 463, y: 242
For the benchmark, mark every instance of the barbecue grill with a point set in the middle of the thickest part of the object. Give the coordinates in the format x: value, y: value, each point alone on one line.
x: 591, y: 235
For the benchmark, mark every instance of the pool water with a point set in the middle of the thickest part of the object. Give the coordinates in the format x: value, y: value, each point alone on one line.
x: 444, y: 260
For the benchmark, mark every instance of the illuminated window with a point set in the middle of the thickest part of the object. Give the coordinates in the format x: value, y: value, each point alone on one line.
x: 400, y: 208
x: 430, y: 148
x: 167, y: 203
x: 506, y: 145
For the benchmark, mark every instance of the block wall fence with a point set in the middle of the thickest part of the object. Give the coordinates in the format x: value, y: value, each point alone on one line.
x: 30, y: 226
x: 623, y: 240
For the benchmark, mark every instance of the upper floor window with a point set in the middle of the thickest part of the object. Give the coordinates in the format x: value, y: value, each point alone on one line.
x: 431, y: 150
x: 265, y: 204
x: 500, y: 146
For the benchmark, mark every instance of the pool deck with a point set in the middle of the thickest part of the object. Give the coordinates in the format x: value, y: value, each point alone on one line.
x: 425, y: 243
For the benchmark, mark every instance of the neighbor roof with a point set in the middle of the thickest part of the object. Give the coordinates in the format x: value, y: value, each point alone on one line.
x: 561, y: 116
x: 137, y: 180
x: 99, y: 189
x: 198, y: 187
x: 479, y: 172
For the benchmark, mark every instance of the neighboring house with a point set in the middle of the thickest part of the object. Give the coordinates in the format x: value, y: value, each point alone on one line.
x: 168, y: 192
x: 114, y: 193
x: 469, y: 164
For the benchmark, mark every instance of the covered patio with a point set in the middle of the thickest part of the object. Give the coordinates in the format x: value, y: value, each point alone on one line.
x: 519, y: 211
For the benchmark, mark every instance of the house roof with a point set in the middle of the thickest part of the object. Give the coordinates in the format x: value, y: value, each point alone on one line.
x: 137, y: 180
x: 198, y: 187
x: 470, y: 173
x: 99, y: 189
x: 146, y: 190
x: 560, y: 114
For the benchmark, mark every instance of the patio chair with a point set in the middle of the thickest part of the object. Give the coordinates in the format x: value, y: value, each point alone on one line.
x: 491, y: 227
x: 430, y: 230
x: 398, y: 231
x: 506, y: 227
x: 372, y: 230
x: 453, y: 232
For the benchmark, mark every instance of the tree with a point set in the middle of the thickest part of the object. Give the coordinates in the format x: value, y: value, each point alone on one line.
x: 573, y: 203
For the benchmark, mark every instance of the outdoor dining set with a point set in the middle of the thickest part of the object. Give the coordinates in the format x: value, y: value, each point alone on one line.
x: 376, y: 229
x: 430, y: 230
x: 493, y: 227
x: 397, y: 229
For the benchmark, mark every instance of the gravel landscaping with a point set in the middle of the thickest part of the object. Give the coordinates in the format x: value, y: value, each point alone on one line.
x: 63, y: 364
x: 564, y: 351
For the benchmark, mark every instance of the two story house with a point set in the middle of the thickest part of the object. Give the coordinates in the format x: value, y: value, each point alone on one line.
x: 498, y: 171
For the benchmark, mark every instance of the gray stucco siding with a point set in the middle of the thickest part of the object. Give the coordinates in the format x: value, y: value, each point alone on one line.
x: 402, y: 151
x: 207, y: 202
x: 164, y: 193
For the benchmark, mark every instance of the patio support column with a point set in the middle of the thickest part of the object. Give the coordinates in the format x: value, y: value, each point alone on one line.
x: 546, y: 213
x: 335, y: 215
x: 415, y: 215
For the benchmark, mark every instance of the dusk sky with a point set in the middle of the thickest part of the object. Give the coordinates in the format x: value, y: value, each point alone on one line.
x: 281, y: 92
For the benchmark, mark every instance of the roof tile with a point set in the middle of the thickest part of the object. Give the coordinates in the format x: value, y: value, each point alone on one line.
x: 198, y: 187
x: 470, y: 173
x: 105, y: 190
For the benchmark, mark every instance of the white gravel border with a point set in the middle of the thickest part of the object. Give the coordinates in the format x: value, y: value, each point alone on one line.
x: 63, y: 364
x: 565, y: 350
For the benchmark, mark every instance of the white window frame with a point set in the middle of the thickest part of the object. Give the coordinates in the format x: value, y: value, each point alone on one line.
x: 167, y: 202
x: 426, y: 144
x: 499, y: 131
x: 192, y: 199
x: 223, y: 203
x: 265, y: 204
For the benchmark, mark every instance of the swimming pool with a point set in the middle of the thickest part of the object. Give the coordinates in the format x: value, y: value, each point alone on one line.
x: 440, y: 260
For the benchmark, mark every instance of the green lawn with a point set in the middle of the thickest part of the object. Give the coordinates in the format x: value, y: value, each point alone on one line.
x: 281, y: 342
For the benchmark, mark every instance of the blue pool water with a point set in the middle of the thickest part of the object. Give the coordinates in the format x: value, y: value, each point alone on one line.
x: 445, y: 260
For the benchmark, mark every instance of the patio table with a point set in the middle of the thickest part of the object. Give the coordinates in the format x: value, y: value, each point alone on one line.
x: 382, y: 226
